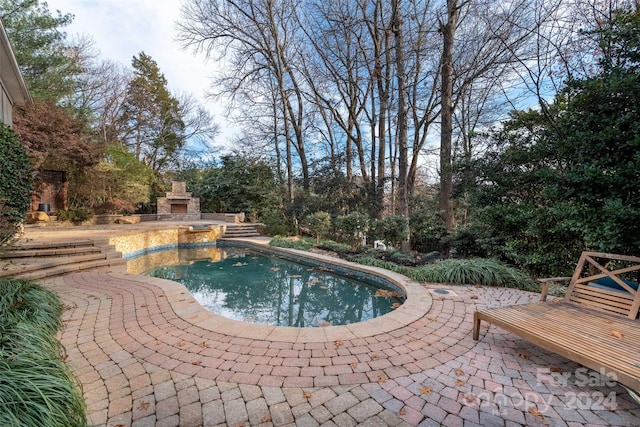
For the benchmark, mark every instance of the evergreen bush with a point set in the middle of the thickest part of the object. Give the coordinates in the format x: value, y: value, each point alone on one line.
x: 16, y: 184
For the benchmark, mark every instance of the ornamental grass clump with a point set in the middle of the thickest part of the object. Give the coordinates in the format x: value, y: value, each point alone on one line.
x: 36, y: 387
x: 473, y: 271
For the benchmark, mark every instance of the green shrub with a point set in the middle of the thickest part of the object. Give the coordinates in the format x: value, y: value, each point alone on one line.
x: 350, y: 227
x: 293, y: 243
x: 330, y: 245
x: 36, y: 387
x: 319, y: 224
x: 275, y: 223
x: 392, y: 230
x: 16, y: 183
x: 79, y: 214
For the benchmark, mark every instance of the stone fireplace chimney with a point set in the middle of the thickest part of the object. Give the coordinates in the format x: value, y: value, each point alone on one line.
x: 178, y: 204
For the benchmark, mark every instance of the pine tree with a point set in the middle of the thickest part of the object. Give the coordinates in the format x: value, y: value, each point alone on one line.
x: 39, y: 45
x: 155, y: 131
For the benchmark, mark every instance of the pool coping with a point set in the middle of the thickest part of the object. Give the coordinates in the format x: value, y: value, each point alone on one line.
x: 417, y: 303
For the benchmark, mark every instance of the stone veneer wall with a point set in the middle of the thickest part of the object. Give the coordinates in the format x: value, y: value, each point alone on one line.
x: 180, y: 236
x: 173, y: 257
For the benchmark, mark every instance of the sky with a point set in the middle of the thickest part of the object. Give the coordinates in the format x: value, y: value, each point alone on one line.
x: 122, y: 29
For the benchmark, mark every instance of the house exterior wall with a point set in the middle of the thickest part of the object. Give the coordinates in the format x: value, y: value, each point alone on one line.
x: 5, y: 107
x: 13, y: 90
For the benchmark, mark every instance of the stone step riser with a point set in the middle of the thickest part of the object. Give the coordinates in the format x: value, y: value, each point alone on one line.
x: 53, y: 252
x: 70, y: 268
x: 58, y: 258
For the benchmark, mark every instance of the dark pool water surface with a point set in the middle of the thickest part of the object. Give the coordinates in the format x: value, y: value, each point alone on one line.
x: 257, y: 288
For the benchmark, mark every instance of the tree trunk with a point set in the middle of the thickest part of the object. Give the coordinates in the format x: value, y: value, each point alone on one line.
x: 403, y: 197
x: 446, y: 132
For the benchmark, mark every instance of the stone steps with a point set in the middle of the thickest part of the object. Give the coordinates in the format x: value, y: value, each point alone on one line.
x: 33, y: 261
x: 240, y: 230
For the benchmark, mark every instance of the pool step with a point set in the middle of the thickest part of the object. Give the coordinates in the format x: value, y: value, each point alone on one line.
x: 240, y: 230
x: 33, y: 261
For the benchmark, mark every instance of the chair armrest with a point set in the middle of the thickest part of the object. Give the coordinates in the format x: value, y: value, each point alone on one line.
x: 544, y: 291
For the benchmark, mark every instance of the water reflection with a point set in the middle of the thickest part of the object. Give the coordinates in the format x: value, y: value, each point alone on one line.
x: 248, y: 286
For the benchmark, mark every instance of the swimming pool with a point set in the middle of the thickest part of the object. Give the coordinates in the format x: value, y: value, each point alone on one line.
x: 260, y: 288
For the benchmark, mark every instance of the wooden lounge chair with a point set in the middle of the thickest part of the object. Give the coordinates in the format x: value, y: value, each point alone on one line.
x: 596, y: 323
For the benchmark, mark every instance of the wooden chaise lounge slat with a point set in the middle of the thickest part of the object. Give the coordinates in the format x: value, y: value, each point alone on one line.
x: 593, y: 325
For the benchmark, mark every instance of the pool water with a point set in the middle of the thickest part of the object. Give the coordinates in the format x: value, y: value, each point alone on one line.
x: 252, y: 287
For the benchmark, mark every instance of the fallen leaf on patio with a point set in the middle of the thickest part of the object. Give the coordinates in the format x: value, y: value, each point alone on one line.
x: 608, y: 321
x: 64, y: 357
x: 478, y: 286
x: 555, y: 369
x: 196, y: 362
x: 375, y: 356
x: 204, y: 344
x: 426, y: 390
x: 524, y: 355
x: 181, y: 344
x: 240, y: 424
x: 338, y: 343
x: 534, y: 411
x: 472, y: 362
x: 432, y: 318
x: 266, y: 418
x: 617, y: 334
x: 382, y: 378
x: 143, y: 405
x: 306, y: 395
x: 143, y: 305
x: 460, y: 383
x: 459, y: 372
x: 403, y: 411
x: 395, y: 305
x: 354, y: 365
x: 473, y: 297
x: 413, y: 339
x: 469, y: 397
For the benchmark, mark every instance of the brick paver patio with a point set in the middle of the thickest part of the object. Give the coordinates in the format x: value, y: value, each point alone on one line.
x: 142, y: 365
x: 146, y: 357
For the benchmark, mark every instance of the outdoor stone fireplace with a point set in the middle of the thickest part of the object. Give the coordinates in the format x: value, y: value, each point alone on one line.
x: 178, y: 204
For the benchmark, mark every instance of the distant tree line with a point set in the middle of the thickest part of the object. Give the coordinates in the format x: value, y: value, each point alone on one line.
x: 356, y: 103
x: 115, y: 130
x: 499, y: 129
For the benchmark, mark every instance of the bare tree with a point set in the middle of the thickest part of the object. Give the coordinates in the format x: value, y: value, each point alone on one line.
x: 259, y: 44
x: 448, y: 30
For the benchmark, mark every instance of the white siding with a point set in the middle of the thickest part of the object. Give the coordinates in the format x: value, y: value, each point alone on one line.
x: 5, y: 107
